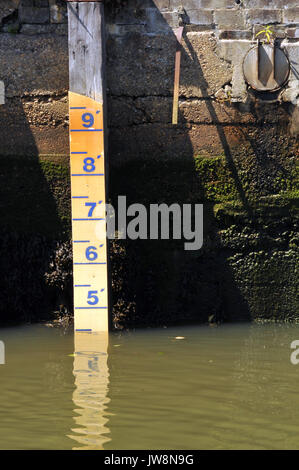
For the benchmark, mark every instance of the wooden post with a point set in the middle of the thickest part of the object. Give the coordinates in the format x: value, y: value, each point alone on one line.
x: 88, y: 175
x: 175, y: 105
x: 87, y: 48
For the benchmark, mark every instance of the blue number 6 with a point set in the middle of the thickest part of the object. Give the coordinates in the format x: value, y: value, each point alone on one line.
x: 88, y: 119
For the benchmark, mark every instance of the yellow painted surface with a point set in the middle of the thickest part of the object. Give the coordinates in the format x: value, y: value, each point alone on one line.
x: 88, y: 213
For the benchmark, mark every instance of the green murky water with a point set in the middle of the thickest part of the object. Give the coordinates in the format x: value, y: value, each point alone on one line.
x: 231, y: 387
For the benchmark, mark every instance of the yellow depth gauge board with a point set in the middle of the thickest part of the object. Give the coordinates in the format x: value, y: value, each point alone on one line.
x: 88, y: 213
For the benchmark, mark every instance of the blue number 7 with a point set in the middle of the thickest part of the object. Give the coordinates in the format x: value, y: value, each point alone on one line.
x: 92, y: 207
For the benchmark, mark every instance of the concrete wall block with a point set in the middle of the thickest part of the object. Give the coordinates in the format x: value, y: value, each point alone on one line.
x: 291, y: 15
x: 141, y: 4
x: 199, y: 4
x: 143, y: 65
x: 32, y: 3
x: 199, y: 28
x: 140, y: 64
x: 202, y: 71
x: 162, y: 4
x: 123, y: 29
x: 259, y: 16
x: 234, y: 53
x: 26, y: 3
x: 230, y: 19
x: 269, y: 5
x: 34, y: 15
x: 7, y: 8
x: 41, y: 3
x: 58, y: 12
x: 292, y: 33
x: 239, y: 85
x: 292, y: 51
x: 279, y: 30
x: 129, y: 16
x: 241, y: 35
x: 172, y: 19
x: 33, y: 29
x: 290, y: 4
x: 33, y: 64
x: 201, y: 17
x: 291, y: 93
x: 160, y: 21
x: 61, y: 29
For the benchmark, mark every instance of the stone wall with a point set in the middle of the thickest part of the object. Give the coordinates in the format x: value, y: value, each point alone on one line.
x: 140, y: 63
x: 234, y: 149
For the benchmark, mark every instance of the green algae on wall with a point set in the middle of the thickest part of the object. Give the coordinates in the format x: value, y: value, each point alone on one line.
x: 248, y: 242
x: 220, y: 185
x: 269, y: 282
x: 247, y: 268
x: 35, y: 222
x: 35, y: 195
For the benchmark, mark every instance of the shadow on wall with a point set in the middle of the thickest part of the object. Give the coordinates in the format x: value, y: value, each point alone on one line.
x: 30, y: 187
x: 35, y: 193
x: 247, y: 158
x: 160, y: 282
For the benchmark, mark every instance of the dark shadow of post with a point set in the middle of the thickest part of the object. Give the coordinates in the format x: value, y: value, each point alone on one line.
x: 30, y: 223
x: 160, y: 283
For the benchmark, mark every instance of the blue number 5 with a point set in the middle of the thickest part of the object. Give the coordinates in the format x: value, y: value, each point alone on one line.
x: 93, y: 298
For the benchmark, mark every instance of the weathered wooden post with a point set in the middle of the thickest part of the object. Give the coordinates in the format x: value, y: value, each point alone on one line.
x: 87, y: 147
x: 2, y: 92
x: 175, y: 105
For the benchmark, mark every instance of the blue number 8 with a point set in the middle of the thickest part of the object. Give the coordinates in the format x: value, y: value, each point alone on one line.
x: 89, y: 165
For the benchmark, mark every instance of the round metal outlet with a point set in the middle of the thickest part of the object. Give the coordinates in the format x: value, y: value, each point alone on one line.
x: 266, y: 67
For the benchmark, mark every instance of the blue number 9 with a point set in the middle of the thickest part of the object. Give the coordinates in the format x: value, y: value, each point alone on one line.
x: 88, y: 119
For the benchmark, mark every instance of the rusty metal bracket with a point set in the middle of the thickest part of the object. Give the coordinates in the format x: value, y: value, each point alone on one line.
x: 175, y: 108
